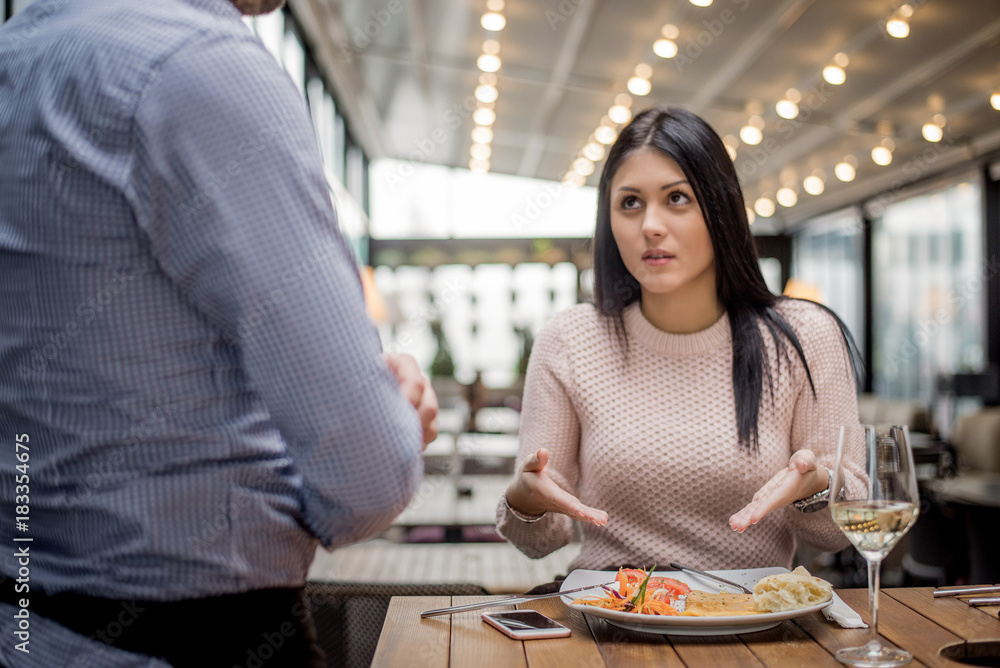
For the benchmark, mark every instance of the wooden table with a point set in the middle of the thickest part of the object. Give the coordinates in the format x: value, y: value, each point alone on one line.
x: 908, y: 617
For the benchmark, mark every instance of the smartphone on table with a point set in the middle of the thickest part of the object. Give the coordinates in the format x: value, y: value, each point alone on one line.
x: 526, y: 624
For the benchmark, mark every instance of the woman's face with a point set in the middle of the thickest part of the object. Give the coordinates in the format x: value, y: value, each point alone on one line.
x: 658, y: 226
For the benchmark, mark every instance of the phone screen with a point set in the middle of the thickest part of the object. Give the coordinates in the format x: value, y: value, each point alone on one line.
x: 526, y: 624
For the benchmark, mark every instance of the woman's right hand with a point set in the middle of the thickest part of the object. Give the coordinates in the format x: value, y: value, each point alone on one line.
x: 533, y: 492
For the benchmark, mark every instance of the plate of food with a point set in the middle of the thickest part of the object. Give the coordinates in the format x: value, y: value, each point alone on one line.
x: 676, y: 603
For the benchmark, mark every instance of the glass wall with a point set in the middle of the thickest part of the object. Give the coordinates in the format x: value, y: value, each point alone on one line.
x: 828, y: 257
x: 344, y: 161
x: 929, y: 276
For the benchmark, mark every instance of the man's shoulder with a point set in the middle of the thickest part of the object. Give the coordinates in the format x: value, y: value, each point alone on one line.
x: 132, y: 34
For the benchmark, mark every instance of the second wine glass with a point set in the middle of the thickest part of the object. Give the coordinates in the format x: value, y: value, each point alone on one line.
x: 877, y: 506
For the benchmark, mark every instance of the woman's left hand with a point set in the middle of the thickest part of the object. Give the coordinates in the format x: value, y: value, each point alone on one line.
x: 800, y: 479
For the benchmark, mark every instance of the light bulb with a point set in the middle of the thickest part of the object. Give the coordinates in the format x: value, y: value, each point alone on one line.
x: 620, y: 114
x: 898, y: 28
x: 583, y: 166
x: 480, y: 151
x: 844, y: 171
x: 484, y: 116
x: 813, y: 185
x: 593, y: 151
x: 665, y: 48
x: 787, y: 109
x: 491, y: 46
x: 639, y: 86
x: 786, y: 197
x: 751, y: 216
x: 486, y: 93
x: 995, y: 100
x: 605, y: 134
x: 932, y: 132
x: 574, y: 178
x: 488, y: 62
x: 751, y: 135
x: 881, y: 156
x: 764, y: 207
x: 834, y: 75
x: 482, y: 135
x: 670, y: 31
x: 701, y: 3
x: 493, y: 21
x: 479, y: 166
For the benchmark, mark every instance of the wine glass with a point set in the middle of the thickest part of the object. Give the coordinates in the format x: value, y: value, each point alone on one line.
x: 874, y: 513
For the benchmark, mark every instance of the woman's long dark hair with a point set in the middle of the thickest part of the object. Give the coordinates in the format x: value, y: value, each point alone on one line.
x: 690, y: 142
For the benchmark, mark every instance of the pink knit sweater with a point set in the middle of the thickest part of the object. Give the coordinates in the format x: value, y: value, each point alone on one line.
x: 651, y: 438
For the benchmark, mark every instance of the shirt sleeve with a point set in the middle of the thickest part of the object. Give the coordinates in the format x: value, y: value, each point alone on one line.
x: 816, y: 421
x: 227, y: 185
x: 548, y: 421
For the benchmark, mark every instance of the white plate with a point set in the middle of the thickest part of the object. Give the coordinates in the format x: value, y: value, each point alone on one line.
x: 680, y: 625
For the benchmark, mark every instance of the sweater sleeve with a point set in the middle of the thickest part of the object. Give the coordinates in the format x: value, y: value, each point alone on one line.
x: 816, y: 421
x: 549, y: 421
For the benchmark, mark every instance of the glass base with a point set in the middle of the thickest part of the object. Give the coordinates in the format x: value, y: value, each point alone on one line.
x: 873, y: 655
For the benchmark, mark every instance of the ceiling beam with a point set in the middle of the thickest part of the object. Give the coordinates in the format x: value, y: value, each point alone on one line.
x: 323, y: 23
x: 748, y: 53
x: 577, y: 29
x: 811, y: 138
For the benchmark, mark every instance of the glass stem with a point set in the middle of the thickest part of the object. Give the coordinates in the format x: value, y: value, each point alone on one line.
x: 874, y: 569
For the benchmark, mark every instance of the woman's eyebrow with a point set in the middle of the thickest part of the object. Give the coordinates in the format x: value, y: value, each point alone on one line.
x: 664, y: 187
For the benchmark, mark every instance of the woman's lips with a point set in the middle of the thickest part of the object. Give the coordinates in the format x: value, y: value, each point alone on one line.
x: 656, y: 258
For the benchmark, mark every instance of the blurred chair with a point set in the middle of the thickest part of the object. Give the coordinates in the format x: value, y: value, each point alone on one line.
x: 977, y: 440
x: 873, y: 409
x: 349, y: 615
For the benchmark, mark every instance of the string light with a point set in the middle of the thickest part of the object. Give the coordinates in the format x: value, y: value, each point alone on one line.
x: 787, y: 197
x: 665, y: 48
x: 493, y: 21
x: 484, y: 116
x: 995, y: 100
x: 898, y: 25
x: 881, y: 156
x: 764, y: 207
x: 814, y: 184
x: 845, y: 169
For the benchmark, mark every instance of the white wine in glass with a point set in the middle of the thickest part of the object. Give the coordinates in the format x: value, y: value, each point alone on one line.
x: 877, y: 506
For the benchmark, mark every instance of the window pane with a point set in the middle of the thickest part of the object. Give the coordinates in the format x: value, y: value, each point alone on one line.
x: 928, y: 278
x: 828, y: 257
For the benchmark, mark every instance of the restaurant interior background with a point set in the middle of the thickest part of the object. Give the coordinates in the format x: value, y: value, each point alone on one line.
x: 463, y: 139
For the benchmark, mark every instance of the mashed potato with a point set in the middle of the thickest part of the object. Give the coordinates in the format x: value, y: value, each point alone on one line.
x: 790, y: 591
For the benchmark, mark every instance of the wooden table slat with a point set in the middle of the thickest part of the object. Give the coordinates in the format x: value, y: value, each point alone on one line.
x: 906, y: 628
x: 476, y: 643
x: 773, y: 646
x: 578, y: 650
x: 715, y: 651
x: 622, y: 648
x: 414, y: 641
x: 949, y: 612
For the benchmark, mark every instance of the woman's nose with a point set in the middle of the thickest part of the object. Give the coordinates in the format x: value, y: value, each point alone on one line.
x: 653, y: 224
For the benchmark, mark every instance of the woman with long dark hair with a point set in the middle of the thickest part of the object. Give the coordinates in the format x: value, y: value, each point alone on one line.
x: 688, y: 402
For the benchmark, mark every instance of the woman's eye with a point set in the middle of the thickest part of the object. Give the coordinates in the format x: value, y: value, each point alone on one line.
x: 678, y: 197
x: 630, y: 202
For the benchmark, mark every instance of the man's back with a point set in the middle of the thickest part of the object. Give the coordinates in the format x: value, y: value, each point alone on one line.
x: 184, y: 340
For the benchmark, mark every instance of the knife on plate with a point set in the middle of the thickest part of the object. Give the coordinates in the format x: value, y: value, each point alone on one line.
x: 695, y: 571
x: 510, y: 600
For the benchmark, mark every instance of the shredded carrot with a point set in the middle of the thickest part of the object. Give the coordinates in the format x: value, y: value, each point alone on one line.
x: 633, y: 596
